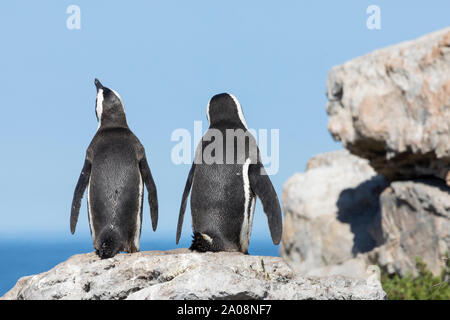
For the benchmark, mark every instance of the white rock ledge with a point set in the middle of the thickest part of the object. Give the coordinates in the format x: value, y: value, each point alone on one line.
x: 182, y: 274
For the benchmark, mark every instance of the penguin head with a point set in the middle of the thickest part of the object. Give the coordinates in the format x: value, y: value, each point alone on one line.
x: 109, y: 107
x: 225, y: 107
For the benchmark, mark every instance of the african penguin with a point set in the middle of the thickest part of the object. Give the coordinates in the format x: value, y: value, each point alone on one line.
x: 114, y: 172
x: 226, y: 176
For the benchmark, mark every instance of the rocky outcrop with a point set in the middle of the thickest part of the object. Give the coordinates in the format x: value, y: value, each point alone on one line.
x: 341, y: 218
x: 181, y: 274
x: 415, y: 221
x: 330, y: 215
x: 392, y: 107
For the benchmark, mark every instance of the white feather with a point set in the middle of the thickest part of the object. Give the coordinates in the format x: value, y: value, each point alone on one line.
x: 118, y: 96
x: 246, y: 223
x: 251, y: 215
x: 137, y: 234
x: 99, y: 106
x: 239, y: 110
x: 206, y: 237
x: 91, y: 223
x: 207, y: 112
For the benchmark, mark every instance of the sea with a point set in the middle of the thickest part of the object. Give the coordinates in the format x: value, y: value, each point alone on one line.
x: 24, y: 256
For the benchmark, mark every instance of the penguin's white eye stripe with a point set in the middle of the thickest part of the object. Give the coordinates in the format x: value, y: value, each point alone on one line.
x: 239, y: 110
x: 99, y: 106
x: 207, y: 112
x: 118, y: 96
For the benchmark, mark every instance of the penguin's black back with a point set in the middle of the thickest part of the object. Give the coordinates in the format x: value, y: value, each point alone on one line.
x: 217, y: 201
x: 218, y: 193
x: 224, y: 186
x: 115, y: 194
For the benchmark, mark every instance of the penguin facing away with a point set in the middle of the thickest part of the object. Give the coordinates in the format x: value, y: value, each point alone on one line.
x: 114, y: 172
x: 224, y: 190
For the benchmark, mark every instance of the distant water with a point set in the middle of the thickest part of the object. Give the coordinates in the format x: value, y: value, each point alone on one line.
x: 20, y: 257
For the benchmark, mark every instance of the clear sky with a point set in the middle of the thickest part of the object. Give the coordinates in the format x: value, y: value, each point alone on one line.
x: 167, y: 59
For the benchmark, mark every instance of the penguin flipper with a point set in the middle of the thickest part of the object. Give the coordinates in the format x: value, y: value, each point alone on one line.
x: 82, y: 183
x: 263, y: 188
x: 151, y: 189
x: 187, y: 189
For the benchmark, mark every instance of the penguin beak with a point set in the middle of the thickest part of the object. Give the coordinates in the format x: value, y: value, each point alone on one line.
x: 98, y: 84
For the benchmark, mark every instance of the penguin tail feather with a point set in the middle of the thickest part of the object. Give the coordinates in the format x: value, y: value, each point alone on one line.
x: 109, y: 244
x: 203, y: 243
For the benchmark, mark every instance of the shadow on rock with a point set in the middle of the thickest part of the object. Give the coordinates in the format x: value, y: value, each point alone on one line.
x: 359, y: 208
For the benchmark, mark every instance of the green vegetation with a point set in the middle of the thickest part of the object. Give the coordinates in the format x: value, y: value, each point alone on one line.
x: 425, y: 286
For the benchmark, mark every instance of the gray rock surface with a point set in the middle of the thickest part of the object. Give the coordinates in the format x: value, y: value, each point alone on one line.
x: 392, y: 106
x: 415, y: 220
x: 330, y: 213
x: 181, y: 274
x: 341, y: 218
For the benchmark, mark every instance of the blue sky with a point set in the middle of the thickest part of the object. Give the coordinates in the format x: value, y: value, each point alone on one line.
x: 167, y: 59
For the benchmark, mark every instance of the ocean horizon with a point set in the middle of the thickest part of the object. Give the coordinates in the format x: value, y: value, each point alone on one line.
x: 20, y: 257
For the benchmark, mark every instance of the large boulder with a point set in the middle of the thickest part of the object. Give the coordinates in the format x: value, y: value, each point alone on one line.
x: 392, y: 106
x: 341, y: 218
x: 181, y: 274
x: 330, y: 215
x: 415, y: 220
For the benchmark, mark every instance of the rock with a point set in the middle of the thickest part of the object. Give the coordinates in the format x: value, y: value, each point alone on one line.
x: 415, y: 220
x: 392, y: 107
x: 355, y: 267
x: 341, y: 218
x: 181, y: 274
x: 330, y: 213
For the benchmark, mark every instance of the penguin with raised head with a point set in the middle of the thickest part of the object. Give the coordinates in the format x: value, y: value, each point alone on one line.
x: 114, y: 172
x: 225, y: 178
